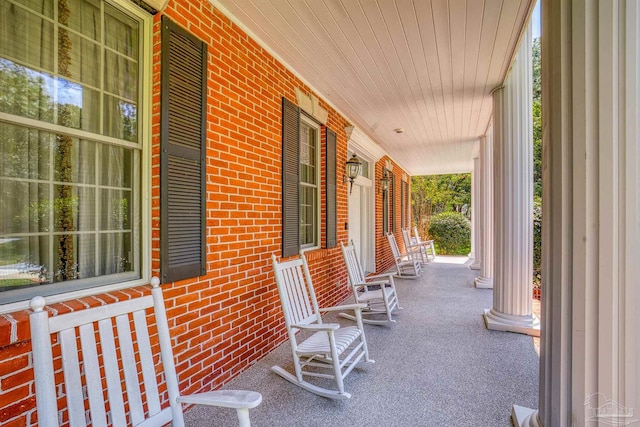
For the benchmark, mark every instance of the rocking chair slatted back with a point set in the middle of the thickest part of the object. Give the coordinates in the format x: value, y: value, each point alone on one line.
x: 394, y: 246
x: 103, y: 348
x: 354, y: 270
x: 88, y: 347
x: 298, y: 300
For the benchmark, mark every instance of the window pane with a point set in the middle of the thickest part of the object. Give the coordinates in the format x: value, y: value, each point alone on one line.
x: 121, y: 77
x: 24, y: 153
x: 26, y: 37
x: 121, y: 32
x: 308, y: 146
x: 73, y: 208
x: 120, y: 119
x: 24, y: 262
x: 116, y: 164
x: 25, y: 92
x: 26, y: 207
x: 308, y: 200
x: 115, y: 210
x: 84, y: 17
x: 74, y: 160
x: 83, y: 58
x: 115, y: 253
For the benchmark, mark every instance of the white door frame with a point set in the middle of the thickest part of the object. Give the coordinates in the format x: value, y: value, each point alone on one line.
x: 367, y: 216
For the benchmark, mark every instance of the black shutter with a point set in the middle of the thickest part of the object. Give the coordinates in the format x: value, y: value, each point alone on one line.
x: 331, y: 205
x: 290, y: 178
x: 402, y: 206
x: 392, y: 199
x: 183, y: 153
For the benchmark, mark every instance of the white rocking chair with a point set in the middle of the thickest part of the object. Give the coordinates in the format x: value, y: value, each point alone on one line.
x: 329, y: 346
x: 427, y: 247
x: 408, y: 263
x: 94, y: 372
x: 378, y: 292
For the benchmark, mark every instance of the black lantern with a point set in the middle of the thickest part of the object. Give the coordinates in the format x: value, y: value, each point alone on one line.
x: 353, y: 168
x: 384, y: 181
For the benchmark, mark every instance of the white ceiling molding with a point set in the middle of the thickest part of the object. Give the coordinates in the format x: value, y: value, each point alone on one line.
x: 360, y: 142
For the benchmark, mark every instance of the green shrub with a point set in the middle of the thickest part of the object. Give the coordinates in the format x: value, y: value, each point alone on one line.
x: 451, y: 232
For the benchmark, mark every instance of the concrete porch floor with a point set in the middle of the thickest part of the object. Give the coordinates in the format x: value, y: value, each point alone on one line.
x: 436, y: 366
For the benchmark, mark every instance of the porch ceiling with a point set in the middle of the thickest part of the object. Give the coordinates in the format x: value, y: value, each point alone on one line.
x: 427, y: 66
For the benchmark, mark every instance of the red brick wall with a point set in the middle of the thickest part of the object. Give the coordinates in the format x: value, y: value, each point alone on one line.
x: 222, y: 322
x: 384, y: 257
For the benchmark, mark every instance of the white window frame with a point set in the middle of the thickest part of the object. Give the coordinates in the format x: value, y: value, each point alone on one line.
x: 317, y: 220
x: 144, y: 132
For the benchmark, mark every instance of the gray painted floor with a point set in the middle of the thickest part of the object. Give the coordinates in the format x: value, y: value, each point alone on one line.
x: 436, y: 366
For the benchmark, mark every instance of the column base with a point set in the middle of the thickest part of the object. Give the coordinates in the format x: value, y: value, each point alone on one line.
x: 484, y: 282
x: 524, y: 417
x: 475, y: 265
x: 496, y: 321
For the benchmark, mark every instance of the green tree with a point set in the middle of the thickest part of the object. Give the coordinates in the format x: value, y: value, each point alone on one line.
x: 433, y: 194
x: 536, y: 111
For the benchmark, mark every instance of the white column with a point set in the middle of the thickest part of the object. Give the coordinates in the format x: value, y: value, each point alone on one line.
x: 590, y: 347
x: 513, y: 200
x: 475, y: 215
x: 485, y: 280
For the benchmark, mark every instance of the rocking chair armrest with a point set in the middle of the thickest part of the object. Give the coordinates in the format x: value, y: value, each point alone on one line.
x: 378, y: 276
x: 358, y: 306
x: 236, y: 399
x: 319, y: 327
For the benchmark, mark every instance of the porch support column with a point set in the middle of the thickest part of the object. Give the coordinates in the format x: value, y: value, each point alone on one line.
x: 485, y: 280
x: 475, y: 215
x: 590, y: 347
x: 513, y: 200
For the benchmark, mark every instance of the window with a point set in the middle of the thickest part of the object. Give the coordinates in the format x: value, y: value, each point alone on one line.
x: 71, y: 145
x: 309, y: 179
x: 301, y: 189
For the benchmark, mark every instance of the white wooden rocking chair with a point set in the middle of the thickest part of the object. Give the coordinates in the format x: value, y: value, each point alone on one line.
x: 330, y: 346
x: 428, y: 248
x: 408, y: 263
x: 378, y: 292
x: 94, y: 371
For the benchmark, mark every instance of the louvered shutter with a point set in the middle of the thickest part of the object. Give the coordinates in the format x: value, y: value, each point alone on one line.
x: 183, y: 153
x: 331, y: 205
x: 402, y: 205
x: 290, y: 178
x: 392, y: 199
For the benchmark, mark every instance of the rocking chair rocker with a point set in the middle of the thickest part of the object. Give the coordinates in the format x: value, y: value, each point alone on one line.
x: 329, y: 346
x: 378, y: 292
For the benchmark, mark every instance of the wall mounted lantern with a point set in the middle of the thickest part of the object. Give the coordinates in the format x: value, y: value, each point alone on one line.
x: 353, y: 168
x: 384, y: 181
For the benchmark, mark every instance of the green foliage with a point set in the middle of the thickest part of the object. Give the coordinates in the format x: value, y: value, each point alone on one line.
x: 451, y: 232
x: 537, y: 241
x: 438, y: 193
x: 537, y: 163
